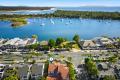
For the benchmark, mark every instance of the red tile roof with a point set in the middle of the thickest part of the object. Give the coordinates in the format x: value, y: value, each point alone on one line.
x: 64, y: 71
x: 61, y: 69
x: 52, y: 67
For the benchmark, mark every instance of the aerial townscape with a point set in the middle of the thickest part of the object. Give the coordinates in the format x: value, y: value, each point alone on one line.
x: 60, y: 40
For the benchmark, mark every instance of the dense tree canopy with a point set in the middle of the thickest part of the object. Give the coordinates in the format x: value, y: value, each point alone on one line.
x: 71, y: 14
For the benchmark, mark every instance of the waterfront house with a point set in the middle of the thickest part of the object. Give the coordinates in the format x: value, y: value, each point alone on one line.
x: 17, y: 43
x: 104, y: 41
x: 12, y: 41
x: 88, y: 45
x: 31, y: 41
x: 37, y: 71
x: 21, y: 43
x: 97, y: 41
x: 58, y: 71
x: 11, y: 44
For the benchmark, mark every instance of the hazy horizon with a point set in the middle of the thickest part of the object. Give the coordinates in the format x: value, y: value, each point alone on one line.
x: 55, y: 6
x: 61, y: 3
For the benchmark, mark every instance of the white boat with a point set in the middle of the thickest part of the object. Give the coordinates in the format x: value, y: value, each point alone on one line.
x: 62, y: 20
x: 67, y: 23
x: 42, y: 24
x: 52, y: 21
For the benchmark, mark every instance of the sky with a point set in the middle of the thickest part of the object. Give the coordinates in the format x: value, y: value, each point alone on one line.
x: 63, y: 3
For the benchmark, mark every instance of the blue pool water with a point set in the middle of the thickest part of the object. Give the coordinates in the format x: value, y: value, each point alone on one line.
x: 47, y: 28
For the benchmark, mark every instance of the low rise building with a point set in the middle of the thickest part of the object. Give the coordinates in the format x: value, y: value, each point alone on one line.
x: 23, y: 72
x: 9, y: 71
x: 12, y: 41
x: 21, y: 43
x: 37, y: 71
x: 88, y: 45
x: 105, y: 41
x: 31, y: 41
x: 17, y: 43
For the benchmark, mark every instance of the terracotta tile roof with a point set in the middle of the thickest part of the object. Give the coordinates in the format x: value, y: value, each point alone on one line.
x: 64, y: 71
x: 60, y: 71
x: 52, y: 67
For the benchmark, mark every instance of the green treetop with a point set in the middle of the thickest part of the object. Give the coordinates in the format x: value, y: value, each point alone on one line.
x: 34, y: 36
x: 59, y: 40
x: 76, y: 38
x: 51, y: 43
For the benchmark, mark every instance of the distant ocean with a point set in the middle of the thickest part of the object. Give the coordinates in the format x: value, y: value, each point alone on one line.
x: 85, y: 8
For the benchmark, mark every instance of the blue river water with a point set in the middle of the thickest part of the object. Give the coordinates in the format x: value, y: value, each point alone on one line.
x: 51, y: 28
